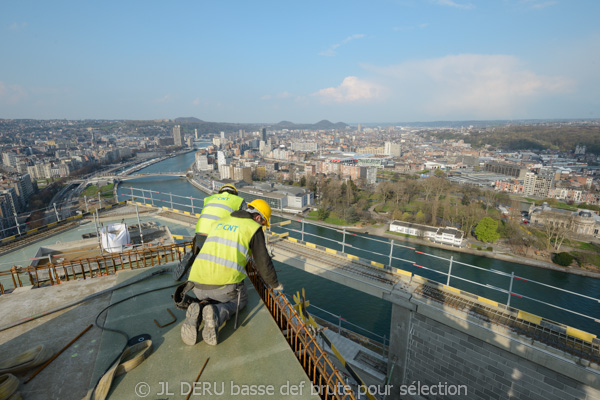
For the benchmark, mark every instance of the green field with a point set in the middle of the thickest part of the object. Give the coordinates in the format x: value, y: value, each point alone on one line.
x: 93, y: 190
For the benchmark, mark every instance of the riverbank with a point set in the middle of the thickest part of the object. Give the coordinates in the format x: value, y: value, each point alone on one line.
x: 382, y: 231
x: 199, y: 186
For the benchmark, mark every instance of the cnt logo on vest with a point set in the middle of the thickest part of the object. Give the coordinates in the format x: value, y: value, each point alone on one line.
x: 227, y: 227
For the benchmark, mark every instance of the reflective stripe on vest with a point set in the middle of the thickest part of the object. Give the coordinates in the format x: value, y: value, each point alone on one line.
x: 225, y: 253
x: 216, y: 207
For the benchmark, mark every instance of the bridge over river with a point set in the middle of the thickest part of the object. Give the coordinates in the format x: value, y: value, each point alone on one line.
x: 151, y: 174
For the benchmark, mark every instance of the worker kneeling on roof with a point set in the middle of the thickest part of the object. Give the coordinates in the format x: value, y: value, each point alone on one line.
x: 219, y: 270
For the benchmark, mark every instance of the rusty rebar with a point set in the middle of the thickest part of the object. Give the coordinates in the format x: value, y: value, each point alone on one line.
x: 57, y: 354
x: 198, y: 377
x: 168, y: 323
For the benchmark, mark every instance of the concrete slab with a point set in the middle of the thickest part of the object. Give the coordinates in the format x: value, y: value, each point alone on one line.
x: 68, y: 376
x: 253, y: 362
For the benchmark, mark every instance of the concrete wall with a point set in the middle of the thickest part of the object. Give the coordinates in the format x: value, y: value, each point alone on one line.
x: 440, y: 349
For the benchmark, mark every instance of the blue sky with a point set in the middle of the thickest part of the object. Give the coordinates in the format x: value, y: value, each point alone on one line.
x: 267, y: 61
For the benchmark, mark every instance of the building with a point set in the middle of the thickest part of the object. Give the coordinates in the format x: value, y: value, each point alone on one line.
x: 583, y: 222
x: 163, y: 142
x: 505, y: 169
x: 448, y: 235
x: 371, y: 150
x: 304, y: 146
x: 202, y: 162
x: 369, y: 174
x: 223, y: 159
x: 8, y: 221
x: 9, y: 159
x: 282, y: 198
x: 177, y: 136
x: 538, y: 184
x: 393, y: 149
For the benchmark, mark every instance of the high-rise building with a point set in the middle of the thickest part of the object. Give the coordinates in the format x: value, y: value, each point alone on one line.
x: 538, y: 185
x: 393, y: 149
x: 264, y: 135
x: 9, y: 159
x: 177, y: 136
x: 196, y: 134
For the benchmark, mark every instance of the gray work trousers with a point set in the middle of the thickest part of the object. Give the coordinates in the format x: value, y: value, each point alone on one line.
x: 227, y: 296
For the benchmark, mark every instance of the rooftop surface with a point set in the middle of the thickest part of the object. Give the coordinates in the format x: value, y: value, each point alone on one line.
x: 254, y: 354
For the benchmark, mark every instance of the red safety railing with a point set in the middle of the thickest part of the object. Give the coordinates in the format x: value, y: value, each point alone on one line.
x: 85, y: 268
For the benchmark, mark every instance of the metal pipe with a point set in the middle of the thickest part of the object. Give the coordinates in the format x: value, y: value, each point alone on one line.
x: 56, y: 212
x: 512, y: 277
x: 17, y: 223
x: 137, y: 213
x: 450, y: 271
x: 96, y: 219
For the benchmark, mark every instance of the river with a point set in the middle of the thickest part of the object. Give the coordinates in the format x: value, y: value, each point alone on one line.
x: 372, y: 313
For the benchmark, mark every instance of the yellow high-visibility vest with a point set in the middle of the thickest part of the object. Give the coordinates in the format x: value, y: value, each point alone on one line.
x: 225, y: 253
x: 216, y: 207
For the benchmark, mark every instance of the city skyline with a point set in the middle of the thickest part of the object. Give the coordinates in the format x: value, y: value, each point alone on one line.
x: 384, y: 62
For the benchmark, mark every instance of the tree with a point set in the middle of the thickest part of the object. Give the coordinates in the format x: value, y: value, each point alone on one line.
x: 420, y: 217
x: 564, y: 259
x: 440, y: 173
x: 352, y: 216
x: 557, y: 228
x: 397, y: 214
x: 487, y: 230
x: 322, y: 214
x: 467, y: 217
x: 440, y: 186
x: 489, y: 198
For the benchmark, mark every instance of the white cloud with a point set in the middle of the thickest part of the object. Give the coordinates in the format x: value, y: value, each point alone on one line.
x: 538, y: 5
x: 451, y: 3
x: 331, y: 51
x: 17, y: 26
x: 11, y: 94
x: 484, y: 86
x: 352, y: 90
x: 168, y: 98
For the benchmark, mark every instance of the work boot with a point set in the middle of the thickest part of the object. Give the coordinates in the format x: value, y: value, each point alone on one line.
x: 210, y: 333
x: 189, y: 329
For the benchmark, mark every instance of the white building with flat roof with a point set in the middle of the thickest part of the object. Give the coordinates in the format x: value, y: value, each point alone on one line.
x: 448, y: 235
